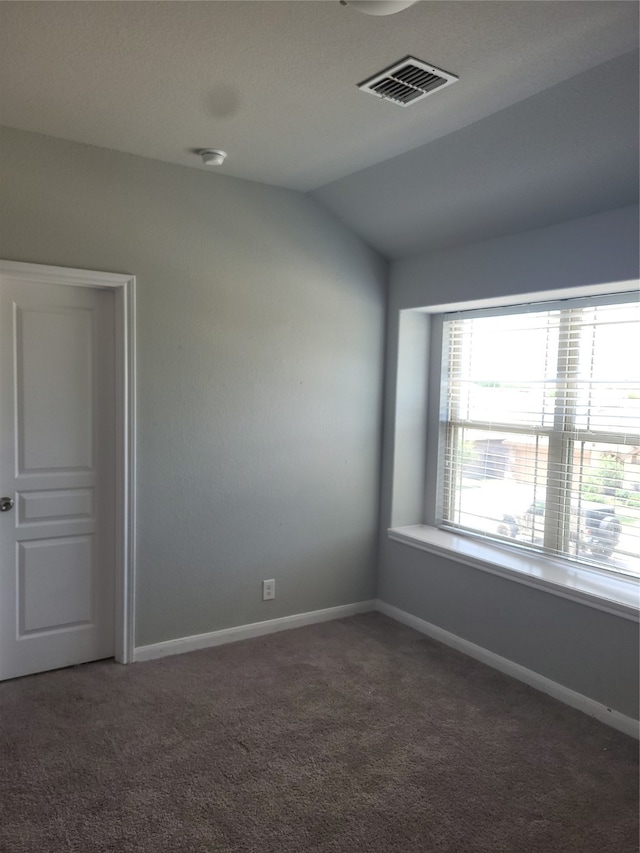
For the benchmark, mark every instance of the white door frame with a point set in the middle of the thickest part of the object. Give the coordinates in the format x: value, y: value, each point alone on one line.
x: 123, y: 287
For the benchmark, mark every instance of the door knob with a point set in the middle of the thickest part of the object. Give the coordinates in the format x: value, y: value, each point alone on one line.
x: 6, y: 504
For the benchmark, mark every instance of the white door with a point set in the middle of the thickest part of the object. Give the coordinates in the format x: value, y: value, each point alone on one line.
x: 57, y: 431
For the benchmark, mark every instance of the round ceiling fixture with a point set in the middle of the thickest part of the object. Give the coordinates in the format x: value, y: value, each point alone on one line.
x: 378, y: 7
x: 212, y: 156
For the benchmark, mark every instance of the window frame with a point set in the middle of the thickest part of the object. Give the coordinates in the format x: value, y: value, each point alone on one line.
x: 418, y: 399
x: 562, y: 434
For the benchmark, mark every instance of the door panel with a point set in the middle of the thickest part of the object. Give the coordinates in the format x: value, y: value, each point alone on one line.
x: 56, y: 579
x: 57, y: 428
x: 52, y: 506
x: 54, y: 384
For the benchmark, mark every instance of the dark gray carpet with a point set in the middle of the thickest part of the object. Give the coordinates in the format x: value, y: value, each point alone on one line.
x: 357, y: 735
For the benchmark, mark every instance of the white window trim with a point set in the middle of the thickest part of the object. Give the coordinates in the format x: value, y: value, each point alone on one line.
x: 613, y: 593
x: 603, y: 590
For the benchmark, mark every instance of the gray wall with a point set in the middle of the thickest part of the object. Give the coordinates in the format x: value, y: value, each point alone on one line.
x: 260, y: 335
x: 587, y: 650
x: 260, y: 346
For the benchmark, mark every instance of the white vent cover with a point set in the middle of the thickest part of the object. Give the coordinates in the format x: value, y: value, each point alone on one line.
x: 407, y: 82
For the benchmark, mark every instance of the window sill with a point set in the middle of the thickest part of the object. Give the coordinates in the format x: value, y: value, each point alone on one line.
x: 587, y: 585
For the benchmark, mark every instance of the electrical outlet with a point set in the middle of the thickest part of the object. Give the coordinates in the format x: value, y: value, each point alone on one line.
x: 268, y: 590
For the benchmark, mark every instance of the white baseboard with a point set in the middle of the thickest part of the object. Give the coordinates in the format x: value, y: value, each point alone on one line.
x: 576, y: 700
x: 244, y: 632
x: 615, y: 719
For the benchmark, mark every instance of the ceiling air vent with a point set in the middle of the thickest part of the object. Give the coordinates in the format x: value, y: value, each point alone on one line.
x: 407, y: 81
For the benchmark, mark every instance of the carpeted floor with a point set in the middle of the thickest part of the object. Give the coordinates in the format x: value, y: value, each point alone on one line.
x: 359, y: 735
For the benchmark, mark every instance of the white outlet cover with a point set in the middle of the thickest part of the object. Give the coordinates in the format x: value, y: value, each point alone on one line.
x: 268, y: 590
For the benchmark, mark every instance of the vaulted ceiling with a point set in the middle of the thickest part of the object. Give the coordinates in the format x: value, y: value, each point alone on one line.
x: 541, y: 126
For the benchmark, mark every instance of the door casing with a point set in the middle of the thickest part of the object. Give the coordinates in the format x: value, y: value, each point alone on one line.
x: 123, y: 287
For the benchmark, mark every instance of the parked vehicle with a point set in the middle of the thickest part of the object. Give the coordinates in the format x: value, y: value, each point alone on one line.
x: 594, y: 528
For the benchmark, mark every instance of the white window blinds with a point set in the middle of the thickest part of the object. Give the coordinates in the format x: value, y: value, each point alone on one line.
x: 541, y: 428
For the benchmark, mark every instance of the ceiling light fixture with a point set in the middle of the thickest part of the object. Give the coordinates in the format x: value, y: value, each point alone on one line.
x: 212, y: 156
x: 379, y: 7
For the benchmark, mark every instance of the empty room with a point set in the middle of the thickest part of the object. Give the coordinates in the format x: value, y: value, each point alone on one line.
x: 319, y: 426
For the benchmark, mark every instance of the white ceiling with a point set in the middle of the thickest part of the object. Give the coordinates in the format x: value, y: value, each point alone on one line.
x: 274, y: 84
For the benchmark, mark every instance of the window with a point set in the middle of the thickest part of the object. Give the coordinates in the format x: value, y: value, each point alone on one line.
x: 540, y: 428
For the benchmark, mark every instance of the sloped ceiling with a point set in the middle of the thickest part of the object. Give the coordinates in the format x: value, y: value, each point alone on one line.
x: 541, y: 123
x: 569, y: 151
